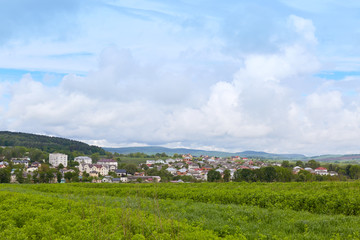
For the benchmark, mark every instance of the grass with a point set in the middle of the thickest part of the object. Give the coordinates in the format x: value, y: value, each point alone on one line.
x: 101, y: 211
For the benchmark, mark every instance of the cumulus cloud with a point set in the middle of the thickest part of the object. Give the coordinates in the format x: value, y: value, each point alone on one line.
x: 126, y: 101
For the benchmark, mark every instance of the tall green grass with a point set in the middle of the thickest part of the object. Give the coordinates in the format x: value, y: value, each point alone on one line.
x: 155, y: 211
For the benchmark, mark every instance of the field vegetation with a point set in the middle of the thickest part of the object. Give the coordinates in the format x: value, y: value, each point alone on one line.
x: 316, y: 210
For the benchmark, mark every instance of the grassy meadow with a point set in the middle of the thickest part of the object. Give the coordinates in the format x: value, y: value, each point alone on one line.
x: 316, y: 210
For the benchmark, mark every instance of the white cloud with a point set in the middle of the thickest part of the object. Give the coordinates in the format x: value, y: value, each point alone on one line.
x: 127, y: 100
x: 304, y: 27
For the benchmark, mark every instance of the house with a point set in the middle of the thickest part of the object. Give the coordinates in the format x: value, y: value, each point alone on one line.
x: 36, y: 164
x: 187, y: 156
x: 296, y: 169
x: 193, y: 166
x: 32, y: 169
x: 4, y: 164
x: 151, y: 162
x: 107, y: 179
x: 83, y: 159
x: 207, y: 168
x: 172, y: 170
x: 120, y: 172
x: 321, y: 171
x: 169, y: 161
x: 181, y: 171
x: 116, y: 180
x: 309, y: 170
x: 124, y: 179
x: 23, y: 161
x: 221, y: 171
x: 98, y: 168
x: 254, y: 167
x: 55, y: 159
x: 110, y: 162
x: 160, y: 161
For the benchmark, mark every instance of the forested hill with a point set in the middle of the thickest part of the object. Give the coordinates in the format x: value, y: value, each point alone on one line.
x: 46, y: 143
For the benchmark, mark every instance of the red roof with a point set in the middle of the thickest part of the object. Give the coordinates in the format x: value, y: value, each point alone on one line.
x: 321, y: 168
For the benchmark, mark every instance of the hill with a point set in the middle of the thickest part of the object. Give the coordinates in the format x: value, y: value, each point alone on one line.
x: 46, y: 143
x: 171, y: 151
x: 349, y: 158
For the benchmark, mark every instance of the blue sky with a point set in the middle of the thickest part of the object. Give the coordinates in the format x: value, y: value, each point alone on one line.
x: 276, y: 76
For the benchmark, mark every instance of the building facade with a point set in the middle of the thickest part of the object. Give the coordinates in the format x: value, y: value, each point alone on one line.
x: 56, y: 159
x: 109, y: 162
x: 83, y: 159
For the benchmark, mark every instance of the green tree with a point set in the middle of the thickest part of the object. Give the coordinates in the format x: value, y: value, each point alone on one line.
x: 28, y: 179
x: 213, y: 176
x: 283, y: 174
x: 355, y: 172
x: 227, y: 175
x: 285, y: 164
x: 75, y: 177
x: 5, y: 175
x: 95, y: 157
x: 246, y: 175
x: 42, y: 177
x: 131, y: 168
x: 269, y: 174
x: 58, y: 177
x: 300, y: 164
x: 68, y: 176
x: 312, y: 164
x: 35, y: 177
x: 19, y: 174
x: 304, y: 176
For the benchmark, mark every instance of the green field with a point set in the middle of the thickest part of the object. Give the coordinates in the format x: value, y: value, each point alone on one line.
x: 317, y: 210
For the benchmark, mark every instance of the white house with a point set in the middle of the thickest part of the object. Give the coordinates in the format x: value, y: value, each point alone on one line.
x: 109, y: 162
x: 160, y: 161
x: 169, y: 161
x: 32, y: 169
x: 171, y: 170
x: 150, y: 161
x: 56, y: 159
x: 83, y: 159
x: 321, y: 171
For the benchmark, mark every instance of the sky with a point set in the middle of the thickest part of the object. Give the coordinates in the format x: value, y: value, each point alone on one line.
x: 276, y: 76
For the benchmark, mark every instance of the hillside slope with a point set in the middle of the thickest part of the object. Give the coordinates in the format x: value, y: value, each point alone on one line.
x: 46, y: 143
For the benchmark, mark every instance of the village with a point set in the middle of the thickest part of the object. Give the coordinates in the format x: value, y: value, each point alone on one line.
x: 180, y: 169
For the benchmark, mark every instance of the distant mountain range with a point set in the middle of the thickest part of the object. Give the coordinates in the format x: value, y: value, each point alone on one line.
x: 151, y: 150
x: 195, y: 152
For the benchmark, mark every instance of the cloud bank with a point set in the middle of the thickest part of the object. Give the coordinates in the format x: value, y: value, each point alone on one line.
x: 263, y: 101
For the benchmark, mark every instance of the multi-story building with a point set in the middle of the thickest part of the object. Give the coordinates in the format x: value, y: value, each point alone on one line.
x: 83, y: 159
x: 56, y: 159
